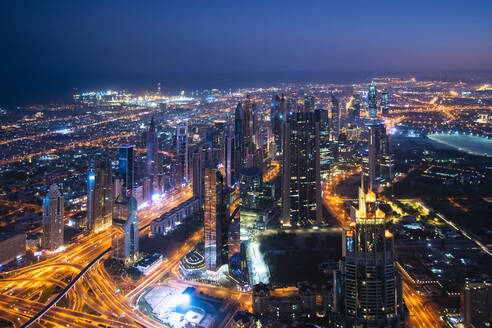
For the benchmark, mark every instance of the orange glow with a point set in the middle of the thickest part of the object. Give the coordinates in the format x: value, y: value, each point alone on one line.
x: 370, y: 197
x: 350, y: 233
x: 388, y: 234
x: 380, y: 214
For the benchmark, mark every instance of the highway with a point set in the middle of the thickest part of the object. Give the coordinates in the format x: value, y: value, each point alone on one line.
x: 26, y: 291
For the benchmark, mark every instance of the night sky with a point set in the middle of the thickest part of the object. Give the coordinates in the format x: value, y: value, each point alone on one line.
x: 49, y: 47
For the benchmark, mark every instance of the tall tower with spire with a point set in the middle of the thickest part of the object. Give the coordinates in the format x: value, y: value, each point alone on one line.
x: 368, y: 287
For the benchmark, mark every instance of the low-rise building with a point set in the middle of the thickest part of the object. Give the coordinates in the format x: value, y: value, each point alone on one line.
x: 170, y: 220
x: 12, y: 244
x: 149, y: 263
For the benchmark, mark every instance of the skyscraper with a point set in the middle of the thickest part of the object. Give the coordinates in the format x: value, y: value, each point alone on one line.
x: 301, y: 174
x: 372, y: 101
x: 335, y: 118
x: 213, y: 212
x: 126, y: 170
x: 152, y: 159
x: 124, y: 243
x: 198, y: 174
x: 384, y: 104
x: 231, y: 157
x: 99, y: 195
x: 379, y: 156
x: 53, y: 211
x: 367, y: 289
x: 248, y: 138
x: 276, y: 118
x: 182, y: 151
x: 239, y: 132
x: 250, y: 189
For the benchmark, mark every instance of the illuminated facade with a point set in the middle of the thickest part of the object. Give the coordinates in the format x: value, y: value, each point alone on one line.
x: 213, y: 212
x: 152, y: 158
x: 99, y: 195
x: 250, y: 189
x: 182, y: 151
x: 124, y: 245
x: 379, y: 157
x: 126, y: 170
x: 368, y: 287
x: 53, y: 212
x: 301, y: 173
x: 372, y: 98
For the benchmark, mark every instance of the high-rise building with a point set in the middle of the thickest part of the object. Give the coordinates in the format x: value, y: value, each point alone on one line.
x: 53, y: 211
x: 367, y: 291
x: 276, y: 118
x: 99, y: 195
x: 231, y: 157
x: 248, y: 129
x: 301, y: 173
x: 334, y: 118
x: 124, y: 244
x: 213, y: 218
x: 325, y: 144
x: 372, y: 98
x: 250, y: 190
x: 384, y: 104
x: 379, y: 157
x: 182, y: 151
x: 309, y: 103
x: 476, y: 304
x: 126, y: 170
x: 152, y: 159
x: 239, y: 131
x: 198, y: 174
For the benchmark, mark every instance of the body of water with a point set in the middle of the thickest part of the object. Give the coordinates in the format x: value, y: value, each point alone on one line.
x: 474, y: 145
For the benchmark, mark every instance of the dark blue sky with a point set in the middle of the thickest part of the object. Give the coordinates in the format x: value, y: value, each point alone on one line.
x: 53, y: 46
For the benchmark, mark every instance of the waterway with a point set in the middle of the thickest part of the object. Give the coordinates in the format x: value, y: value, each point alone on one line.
x: 474, y: 145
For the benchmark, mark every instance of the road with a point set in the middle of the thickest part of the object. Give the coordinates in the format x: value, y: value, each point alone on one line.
x: 27, y: 290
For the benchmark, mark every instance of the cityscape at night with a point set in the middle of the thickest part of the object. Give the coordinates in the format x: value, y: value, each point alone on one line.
x: 241, y: 165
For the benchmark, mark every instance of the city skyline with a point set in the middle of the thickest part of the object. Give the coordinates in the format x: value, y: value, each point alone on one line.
x: 197, y: 45
x: 244, y: 164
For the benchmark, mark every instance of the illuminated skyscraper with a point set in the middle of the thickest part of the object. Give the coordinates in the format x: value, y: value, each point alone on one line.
x: 372, y: 98
x: 301, y: 174
x: 213, y: 213
x: 198, y: 174
x: 250, y: 189
x: 384, y: 103
x: 152, y: 159
x: 231, y: 157
x: 124, y: 244
x: 276, y: 118
x: 182, y: 151
x: 335, y: 118
x: 126, y: 170
x: 379, y: 157
x: 99, y: 195
x: 248, y: 129
x: 367, y: 291
x: 239, y: 131
x: 53, y: 211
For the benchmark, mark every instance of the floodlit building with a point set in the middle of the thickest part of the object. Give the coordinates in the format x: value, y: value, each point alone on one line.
x: 99, y: 195
x: 182, y: 151
x: 126, y: 170
x: 367, y: 291
x: 53, y: 215
x: 301, y: 170
x: 124, y: 246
